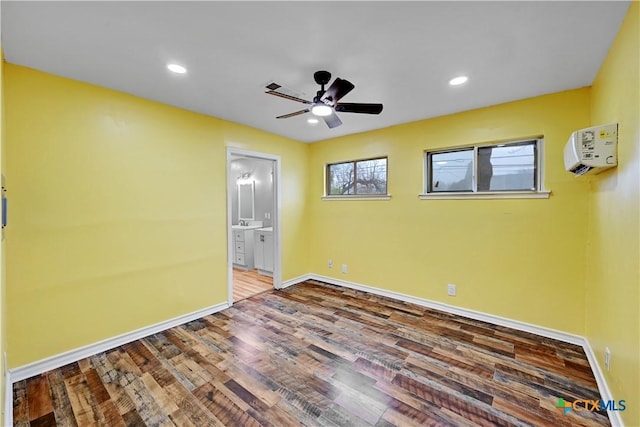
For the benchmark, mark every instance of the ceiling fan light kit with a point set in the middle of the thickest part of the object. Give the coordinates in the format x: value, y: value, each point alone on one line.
x: 321, y: 110
x: 325, y: 103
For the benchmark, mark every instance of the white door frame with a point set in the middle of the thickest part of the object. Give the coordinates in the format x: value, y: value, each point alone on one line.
x: 276, y: 220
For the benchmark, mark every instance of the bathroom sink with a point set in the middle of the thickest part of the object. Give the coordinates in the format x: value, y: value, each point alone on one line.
x: 244, y: 227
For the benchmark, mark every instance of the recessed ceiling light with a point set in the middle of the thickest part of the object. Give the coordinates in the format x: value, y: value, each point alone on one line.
x: 312, y: 121
x: 458, y: 80
x: 178, y: 69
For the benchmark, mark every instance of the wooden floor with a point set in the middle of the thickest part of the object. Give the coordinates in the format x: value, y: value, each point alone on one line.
x: 247, y: 283
x: 319, y: 355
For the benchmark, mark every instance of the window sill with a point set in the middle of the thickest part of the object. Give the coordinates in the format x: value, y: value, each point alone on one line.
x: 367, y: 197
x: 487, y: 195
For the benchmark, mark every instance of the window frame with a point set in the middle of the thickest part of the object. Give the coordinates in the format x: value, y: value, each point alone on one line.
x: 355, y: 196
x: 537, y: 193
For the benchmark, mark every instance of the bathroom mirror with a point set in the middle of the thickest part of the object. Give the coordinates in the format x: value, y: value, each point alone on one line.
x: 246, y: 209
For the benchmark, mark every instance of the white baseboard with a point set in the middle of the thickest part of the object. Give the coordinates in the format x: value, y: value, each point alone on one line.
x: 603, y: 388
x: 57, y: 361
x: 44, y: 365
x: 476, y: 315
x: 296, y: 280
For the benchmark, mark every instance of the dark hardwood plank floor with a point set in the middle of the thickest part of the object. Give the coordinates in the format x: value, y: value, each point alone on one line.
x: 247, y: 283
x: 318, y: 355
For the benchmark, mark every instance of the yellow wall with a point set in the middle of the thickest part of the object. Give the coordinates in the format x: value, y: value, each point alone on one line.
x: 118, y: 211
x: 613, y: 255
x: 3, y: 335
x: 118, y: 215
x: 521, y: 259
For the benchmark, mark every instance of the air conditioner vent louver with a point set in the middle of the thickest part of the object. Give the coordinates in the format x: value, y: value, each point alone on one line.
x: 581, y: 169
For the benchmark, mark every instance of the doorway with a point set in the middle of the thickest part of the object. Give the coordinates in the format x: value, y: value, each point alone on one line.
x: 253, y: 223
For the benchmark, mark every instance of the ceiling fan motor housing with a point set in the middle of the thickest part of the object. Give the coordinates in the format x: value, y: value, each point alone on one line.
x: 322, y: 77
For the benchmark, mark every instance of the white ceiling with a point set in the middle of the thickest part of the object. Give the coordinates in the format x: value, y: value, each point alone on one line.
x: 401, y: 54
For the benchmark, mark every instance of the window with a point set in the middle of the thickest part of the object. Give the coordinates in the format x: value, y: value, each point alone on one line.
x: 357, y: 178
x: 512, y: 168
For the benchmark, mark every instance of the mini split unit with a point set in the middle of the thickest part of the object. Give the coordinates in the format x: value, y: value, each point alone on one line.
x: 591, y: 150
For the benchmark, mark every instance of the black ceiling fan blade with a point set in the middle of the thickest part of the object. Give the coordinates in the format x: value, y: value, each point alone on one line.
x: 337, y: 90
x: 351, y: 107
x: 289, y: 97
x: 295, y: 113
x: 332, y: 120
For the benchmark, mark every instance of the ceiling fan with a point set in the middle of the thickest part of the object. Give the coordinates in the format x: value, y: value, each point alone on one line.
x: 325, y: 104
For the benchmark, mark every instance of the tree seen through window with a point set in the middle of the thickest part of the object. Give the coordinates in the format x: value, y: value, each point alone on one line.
x: 362, y: 177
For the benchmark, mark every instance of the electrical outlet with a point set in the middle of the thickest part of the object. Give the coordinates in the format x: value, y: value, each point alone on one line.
x: 451, y: 290
x: 330, y: 263
x: 607, y: 358
x: 344, y: 268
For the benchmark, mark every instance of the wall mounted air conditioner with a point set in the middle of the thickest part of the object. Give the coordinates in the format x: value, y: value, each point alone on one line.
x: 592, y: 150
